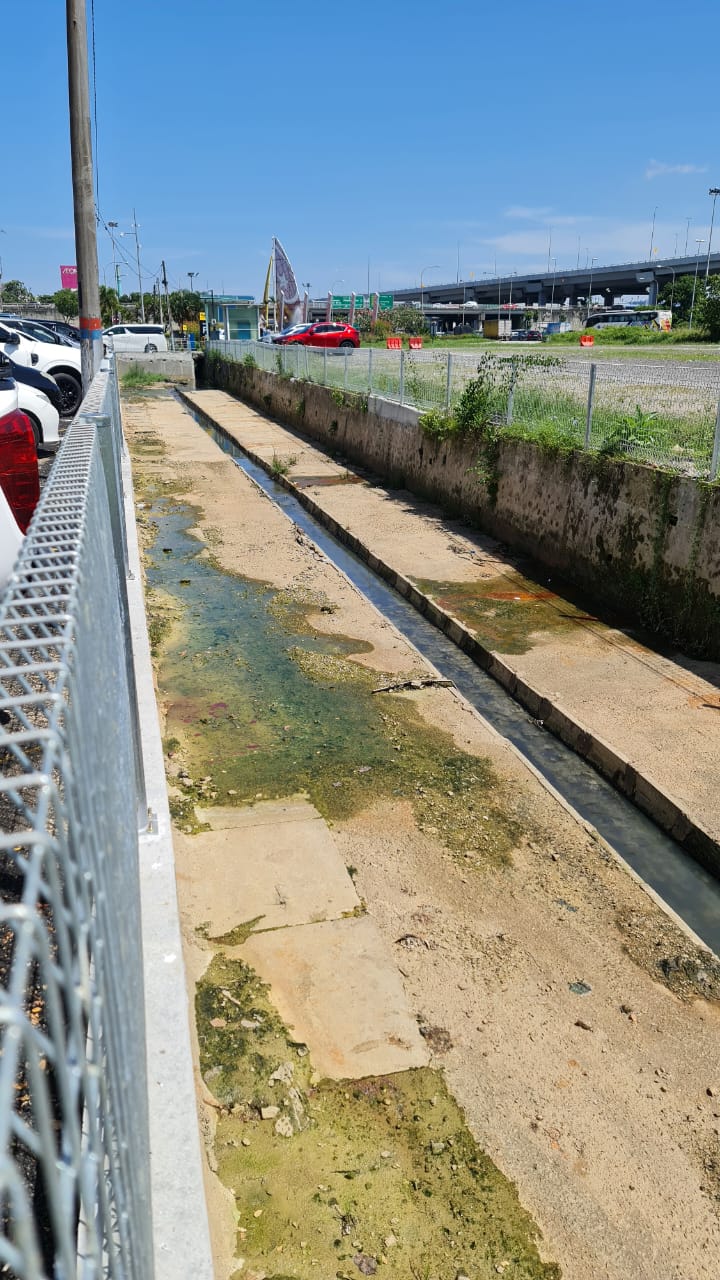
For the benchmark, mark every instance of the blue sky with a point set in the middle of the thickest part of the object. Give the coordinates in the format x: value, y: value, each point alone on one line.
x: 384, y: 131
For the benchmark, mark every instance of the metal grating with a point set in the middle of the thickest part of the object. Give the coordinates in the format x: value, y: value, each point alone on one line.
x: 74, y: 1164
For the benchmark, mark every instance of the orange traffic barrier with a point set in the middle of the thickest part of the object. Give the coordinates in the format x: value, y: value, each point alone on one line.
x: 415, y: 344
x: 393, y: 344
x: 587, y: 340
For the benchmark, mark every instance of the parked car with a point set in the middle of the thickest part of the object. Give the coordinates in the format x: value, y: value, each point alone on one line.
x: 69, y: 331
x: 41, y: 381
x: 19, y: 480
x: 63, y: 363
x: 44, y: 417
x: 134, y: 337
x: 36, y: 331
x: 321, y: 334
x: 533, y: 335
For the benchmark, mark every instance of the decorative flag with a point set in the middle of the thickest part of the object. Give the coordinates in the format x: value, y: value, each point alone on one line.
x: 286, y: 284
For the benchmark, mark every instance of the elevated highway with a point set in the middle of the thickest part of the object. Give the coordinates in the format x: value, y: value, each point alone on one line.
x: 571, y: 287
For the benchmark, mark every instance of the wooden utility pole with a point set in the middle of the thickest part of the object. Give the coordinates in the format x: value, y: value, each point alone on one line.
x: 83, y: 199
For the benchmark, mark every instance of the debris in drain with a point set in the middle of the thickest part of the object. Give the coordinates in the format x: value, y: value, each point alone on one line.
x: 429, y: 682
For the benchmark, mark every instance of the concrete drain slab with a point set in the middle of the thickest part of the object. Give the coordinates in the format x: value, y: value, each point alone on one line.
x: 337, y: 987
x: 273, y: 860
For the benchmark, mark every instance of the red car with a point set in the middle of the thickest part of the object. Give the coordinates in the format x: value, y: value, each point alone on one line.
x: 321, y: 334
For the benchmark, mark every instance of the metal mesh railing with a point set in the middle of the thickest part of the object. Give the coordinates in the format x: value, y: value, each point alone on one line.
x: 666, y: 414
x: 74, y: 1163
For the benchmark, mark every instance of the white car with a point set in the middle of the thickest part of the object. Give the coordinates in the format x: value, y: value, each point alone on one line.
x: 134, y: 337
x: 43, y: 415
x: 62, y: 363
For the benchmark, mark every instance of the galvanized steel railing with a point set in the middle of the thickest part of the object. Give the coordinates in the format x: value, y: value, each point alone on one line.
x: 74, y: 1165
x: 654, y: 412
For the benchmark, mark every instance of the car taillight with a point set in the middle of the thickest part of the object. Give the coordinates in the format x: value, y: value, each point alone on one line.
x: 19, y: 466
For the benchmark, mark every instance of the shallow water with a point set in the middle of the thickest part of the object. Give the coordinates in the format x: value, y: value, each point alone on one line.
x: 685, y: 885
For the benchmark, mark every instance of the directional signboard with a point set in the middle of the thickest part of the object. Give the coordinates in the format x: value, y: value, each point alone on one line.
x: 341, y: 301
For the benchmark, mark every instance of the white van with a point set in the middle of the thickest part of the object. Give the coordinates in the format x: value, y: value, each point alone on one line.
x: 134, y: 337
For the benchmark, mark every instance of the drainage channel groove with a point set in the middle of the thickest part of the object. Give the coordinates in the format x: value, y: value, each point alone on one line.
x: 685, y: 886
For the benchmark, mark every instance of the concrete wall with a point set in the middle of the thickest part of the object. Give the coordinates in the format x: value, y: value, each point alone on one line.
x: 179, y: 366
x: 642, y: 541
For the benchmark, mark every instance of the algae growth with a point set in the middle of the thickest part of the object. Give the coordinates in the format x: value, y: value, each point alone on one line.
x: 348, y: 1178
x: 508, y: 612
x: 267, y: 706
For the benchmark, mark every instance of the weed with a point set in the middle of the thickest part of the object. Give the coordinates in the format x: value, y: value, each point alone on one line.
x: 137, y: 377
x: 281, y: 466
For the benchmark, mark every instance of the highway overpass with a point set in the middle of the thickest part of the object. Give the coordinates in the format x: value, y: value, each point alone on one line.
x: 543, y: 287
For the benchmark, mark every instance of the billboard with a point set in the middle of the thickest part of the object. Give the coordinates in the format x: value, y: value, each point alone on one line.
x: 68, y: 278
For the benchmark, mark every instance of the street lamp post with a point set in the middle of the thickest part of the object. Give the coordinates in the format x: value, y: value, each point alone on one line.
x: 697, y: 264
x: 714, y: 192
x: 435, y: 267
x: 552, y: 294
x: 332, y: 286
x: 192, y: 275
x: 592, y: 264
x: 116, y: 273
x: 652, y: 233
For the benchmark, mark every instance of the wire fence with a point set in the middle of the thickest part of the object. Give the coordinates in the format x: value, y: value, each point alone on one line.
x: 668, y: 415
x: 74, y: 1160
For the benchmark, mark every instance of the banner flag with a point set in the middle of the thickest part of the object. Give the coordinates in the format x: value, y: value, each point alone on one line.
x: 68, y: 278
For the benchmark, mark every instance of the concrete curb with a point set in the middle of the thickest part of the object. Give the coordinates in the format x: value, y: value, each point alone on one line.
x: 610, y: 763
x: 181, y: 1235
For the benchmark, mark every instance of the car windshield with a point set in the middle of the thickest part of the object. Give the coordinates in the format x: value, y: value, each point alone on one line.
x: 296, y: 328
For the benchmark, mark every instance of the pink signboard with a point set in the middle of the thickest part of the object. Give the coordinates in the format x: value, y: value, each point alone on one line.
x: 68, y: 278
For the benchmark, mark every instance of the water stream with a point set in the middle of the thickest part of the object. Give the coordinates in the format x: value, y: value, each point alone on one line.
x: 687, y: 887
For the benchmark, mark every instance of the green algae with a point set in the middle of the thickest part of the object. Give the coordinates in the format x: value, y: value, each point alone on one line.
x: 267, y: 706
x: 507, y: 613
x: 382, y: 1168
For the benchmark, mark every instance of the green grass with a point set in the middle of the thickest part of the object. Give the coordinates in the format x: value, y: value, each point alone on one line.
x: 136, y: 378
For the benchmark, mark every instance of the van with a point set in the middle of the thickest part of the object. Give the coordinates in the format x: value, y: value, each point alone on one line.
x: 135, y: 337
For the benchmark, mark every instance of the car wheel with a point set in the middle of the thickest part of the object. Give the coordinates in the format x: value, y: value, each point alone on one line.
x: 70, y: 393
x: 347, y: 344
x: 150, y: 347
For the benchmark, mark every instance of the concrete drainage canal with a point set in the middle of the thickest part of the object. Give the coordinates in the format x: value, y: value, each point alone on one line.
x: 332, y: 828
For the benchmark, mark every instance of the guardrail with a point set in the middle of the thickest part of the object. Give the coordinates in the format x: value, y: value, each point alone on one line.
x: 97, y: 1105
x: 657, y: 413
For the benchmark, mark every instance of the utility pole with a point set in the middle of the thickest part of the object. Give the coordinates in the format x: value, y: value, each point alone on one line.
x: 162, y: 318
x: 83, y: 200
x: 137, y: 255
x: 167, y: 304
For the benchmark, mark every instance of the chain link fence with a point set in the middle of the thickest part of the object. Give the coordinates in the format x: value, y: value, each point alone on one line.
x: 665, y: 414
x: 74, y: 1160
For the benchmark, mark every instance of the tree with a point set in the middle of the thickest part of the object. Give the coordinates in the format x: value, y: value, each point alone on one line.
x: 409, y: 320
x: 109, y: 305
x: 185, y: 305
x: 679, y: 298
x: 66, y: 302
x: 707, y: 307
x: 16, y: 294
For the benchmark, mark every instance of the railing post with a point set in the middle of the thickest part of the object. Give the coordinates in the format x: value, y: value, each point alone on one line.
x: 448, y: 382
x: 370, y: 355
x: 590, y: 401
x: 325, y: 366
x: 345, y: 372
x: 402, y: 377
x: 716, y: 447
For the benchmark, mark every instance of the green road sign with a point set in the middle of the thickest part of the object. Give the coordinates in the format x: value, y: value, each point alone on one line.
x: 341, y: 301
